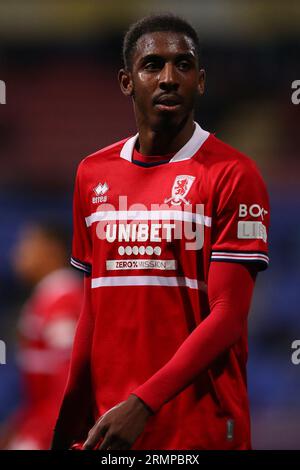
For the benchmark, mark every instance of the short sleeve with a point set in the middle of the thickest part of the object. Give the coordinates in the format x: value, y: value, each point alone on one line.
x: 81, y: 247
x: 241, y: 216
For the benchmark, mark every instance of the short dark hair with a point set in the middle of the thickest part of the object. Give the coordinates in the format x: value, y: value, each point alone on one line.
x: 156, y: 23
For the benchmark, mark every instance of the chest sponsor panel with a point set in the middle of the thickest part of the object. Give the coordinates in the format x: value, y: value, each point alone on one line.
x: 150, y: 226
x: 164, y: 265
x: 150, y: 243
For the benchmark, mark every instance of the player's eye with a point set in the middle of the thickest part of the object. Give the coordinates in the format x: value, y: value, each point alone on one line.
x: 150, y: 65
x: 153, y: 65
x: 183, y: 65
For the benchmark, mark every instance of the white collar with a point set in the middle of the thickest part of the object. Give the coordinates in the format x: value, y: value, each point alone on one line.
x: 185, y: 153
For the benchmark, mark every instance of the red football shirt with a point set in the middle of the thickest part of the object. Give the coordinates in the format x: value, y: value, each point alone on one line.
x: 147, y: 235
x: 46, y: 333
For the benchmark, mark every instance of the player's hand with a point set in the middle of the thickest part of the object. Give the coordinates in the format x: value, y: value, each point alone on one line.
x: 119, y: 427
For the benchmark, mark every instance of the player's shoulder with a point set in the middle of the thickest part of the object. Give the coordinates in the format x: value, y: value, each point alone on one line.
x: 103, y: 155
x: 221, y: 158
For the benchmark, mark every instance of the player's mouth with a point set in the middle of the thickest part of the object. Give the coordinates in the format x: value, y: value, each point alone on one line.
x: 168, y: 102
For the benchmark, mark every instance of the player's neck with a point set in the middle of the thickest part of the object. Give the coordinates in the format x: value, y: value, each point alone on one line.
x: 165, y: 140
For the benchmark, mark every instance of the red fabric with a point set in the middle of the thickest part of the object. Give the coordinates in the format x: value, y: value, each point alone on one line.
x: 76, y: 413
x: 229, y: 307
x: 148, y: 236
x: 230, y: 287
x: 46, y: 330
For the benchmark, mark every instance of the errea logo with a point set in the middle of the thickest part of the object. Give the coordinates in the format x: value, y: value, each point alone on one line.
x: 100, y: 191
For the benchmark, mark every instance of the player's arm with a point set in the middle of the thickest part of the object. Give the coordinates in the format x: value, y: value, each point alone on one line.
x: 230, y: 288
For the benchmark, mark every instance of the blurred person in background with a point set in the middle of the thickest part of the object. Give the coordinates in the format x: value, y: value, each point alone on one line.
x: 46, y: 330
x: 160, y: 353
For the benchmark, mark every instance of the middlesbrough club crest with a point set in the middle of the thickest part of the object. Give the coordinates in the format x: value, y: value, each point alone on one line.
x: 181, y: 187
x: 100, y: 190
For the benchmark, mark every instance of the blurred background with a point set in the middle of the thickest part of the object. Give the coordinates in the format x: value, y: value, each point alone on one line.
x: 59, y: 60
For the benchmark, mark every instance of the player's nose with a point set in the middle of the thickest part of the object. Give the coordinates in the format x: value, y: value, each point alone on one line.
x: 168, y: 77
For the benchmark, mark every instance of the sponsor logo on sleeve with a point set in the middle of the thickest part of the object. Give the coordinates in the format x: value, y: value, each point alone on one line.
x: 255, y: 210
x: 252, y: 230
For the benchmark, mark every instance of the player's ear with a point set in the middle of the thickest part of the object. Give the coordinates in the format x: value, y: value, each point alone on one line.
x: 201, y: 82
x: 126, y: 83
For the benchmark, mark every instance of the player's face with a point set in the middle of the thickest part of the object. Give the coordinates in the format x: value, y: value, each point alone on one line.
x: 165, y: 78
